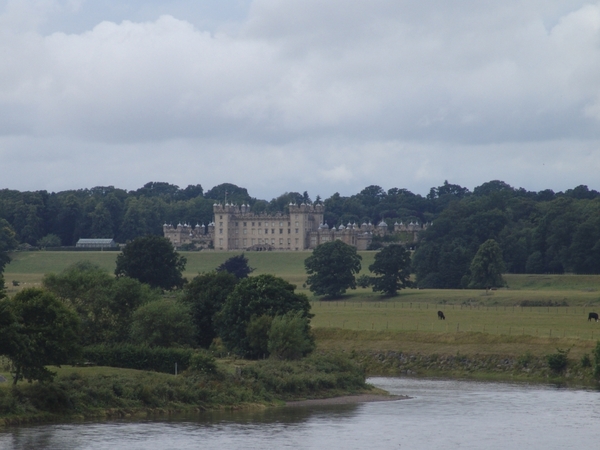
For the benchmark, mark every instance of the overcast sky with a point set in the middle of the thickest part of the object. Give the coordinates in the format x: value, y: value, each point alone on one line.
x: 293, y: 95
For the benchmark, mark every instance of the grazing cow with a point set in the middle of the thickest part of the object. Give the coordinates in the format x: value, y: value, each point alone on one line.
x: 593, y: 316
x: 441, y: 315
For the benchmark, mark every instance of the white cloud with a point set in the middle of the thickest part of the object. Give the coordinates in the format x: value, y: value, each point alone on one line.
x: 334, y: 96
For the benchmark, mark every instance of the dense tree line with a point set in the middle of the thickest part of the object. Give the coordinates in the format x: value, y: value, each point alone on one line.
x: 537, y: 232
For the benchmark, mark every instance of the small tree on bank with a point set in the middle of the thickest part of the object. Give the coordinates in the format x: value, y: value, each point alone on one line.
x: 392, y: 264
x: 253, y: 297
x: 37, y: 330
x: 331, y: 268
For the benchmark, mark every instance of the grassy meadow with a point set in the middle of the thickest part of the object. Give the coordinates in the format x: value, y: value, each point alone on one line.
x: 477, y: 321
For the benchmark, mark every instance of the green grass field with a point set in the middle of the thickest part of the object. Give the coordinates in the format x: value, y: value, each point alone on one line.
x: 474, y: 315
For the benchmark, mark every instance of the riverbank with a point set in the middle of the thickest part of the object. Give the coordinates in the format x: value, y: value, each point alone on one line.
x: 349, y: 399
x: 465, y: 355
x: 102, y: 392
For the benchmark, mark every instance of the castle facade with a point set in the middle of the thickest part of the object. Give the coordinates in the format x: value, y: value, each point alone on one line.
x: 236, y: 228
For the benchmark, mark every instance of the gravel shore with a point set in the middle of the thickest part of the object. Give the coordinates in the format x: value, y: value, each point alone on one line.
x: 362, y: 398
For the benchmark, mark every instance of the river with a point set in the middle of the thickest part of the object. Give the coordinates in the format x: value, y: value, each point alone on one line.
x: 441, y: 414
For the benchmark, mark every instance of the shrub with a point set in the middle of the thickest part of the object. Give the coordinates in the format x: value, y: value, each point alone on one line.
x: 129, y: 356
x: 203, y: 362
x: 163, y: 323
x: 586, y: 361
x: 290, y: 337
x: 558, y: 361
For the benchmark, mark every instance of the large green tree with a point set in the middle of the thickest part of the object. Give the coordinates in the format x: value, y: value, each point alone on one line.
x: 392, y: 265
x: 152, y: 260
x: 332, y: 268
x: 206, y: 295
x: 253, y: 297
x: 105, y: 304
x: 37, y: 330
x: 487, y: 266
x: 163, y: 323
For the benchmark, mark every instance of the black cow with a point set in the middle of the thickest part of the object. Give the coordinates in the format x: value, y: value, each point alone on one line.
x: 441, y: 315
x: 593, y: 316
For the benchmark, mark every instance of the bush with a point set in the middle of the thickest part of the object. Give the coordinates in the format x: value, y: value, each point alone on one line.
x: 203, y: 362
x: 258, y: 334
x: 307, y: 377
x: 558, y: 361
x: 129, y: 356
x: 290, y: 337
x: 163, y: 323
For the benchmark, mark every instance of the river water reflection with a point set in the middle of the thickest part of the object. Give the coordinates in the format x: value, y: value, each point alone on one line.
x: 441, y: 415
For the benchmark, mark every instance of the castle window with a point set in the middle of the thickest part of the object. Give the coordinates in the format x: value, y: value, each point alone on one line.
x: 221, y: 231
x: 289, y: 231
x: 220, y: 224
x: 252, y: 223
x: 296, y: 230
x: 220, y: 217
x: 289, y: 241
x: 296, y: 217
x: 281, y: 231
x: 220, y: 242
x: 296, y: 223
x: 245, y: 231
x: 237, y: 242
x: 280, y: 224
x: 299, y: 239
x: 273, y: 241
x: 237, y: 224
x: 272, y: 224
x: 280, y: 241
x: 259, y: 224
x: 260, y: 231
x: 253, y: 241
x: 252, y: 230
x: 244, y: 223
x: 273, y: 230
x: 245, y: 242
x: 289, y: 224
x: 237, y: 231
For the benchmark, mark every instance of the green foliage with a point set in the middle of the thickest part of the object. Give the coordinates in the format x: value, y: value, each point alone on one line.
x: 140, y: 357
x: 558, y: 361
x: 586, y: 361
x: 50, y: 240
x: 236, y: 265
x: 8, y: 243
x: 257, y: 333
x: 163, y: 323
x: 307, y: 377
x: 331, y: 268
x: 596, y: 355
x: 152, y: 260
x: 254, y: 297
x: 290, y: 337
x: 487, y: 266
x: 104, y: 304
x: 206, y: 295
x: 38, y: 330
x: 203, y: 362
x: 392, y: 264
x: 363, y: 281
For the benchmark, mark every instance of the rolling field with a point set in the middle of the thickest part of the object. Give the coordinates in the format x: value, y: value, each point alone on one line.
x: 477, y: 321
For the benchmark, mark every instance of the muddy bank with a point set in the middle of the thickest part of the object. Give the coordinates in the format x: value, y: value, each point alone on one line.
x: 347, y: 399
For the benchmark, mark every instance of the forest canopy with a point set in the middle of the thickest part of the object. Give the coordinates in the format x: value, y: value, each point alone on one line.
x: 538, y: 232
